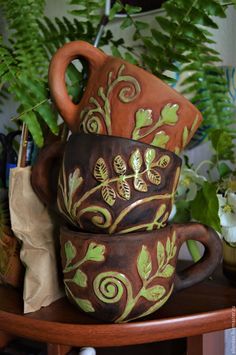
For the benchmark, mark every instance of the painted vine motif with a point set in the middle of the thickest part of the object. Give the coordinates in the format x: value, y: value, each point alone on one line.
x: 94, y: 116
x: 169, y: 116
x: 95, y: 252
x: 119, y: 186
x: 109, y: 286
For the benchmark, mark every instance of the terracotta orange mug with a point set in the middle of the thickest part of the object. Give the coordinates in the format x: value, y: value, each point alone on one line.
x: 122, y: 100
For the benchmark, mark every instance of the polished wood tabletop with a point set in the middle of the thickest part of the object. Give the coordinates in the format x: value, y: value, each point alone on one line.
x: 203, y: 308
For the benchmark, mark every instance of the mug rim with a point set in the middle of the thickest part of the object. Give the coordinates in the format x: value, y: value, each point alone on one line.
x: 110, y: 137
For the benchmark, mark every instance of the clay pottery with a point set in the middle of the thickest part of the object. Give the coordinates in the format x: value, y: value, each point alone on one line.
x: 124, y: 277
x: 122, y: 100
x: 229, y: 261
x: 116, y: 185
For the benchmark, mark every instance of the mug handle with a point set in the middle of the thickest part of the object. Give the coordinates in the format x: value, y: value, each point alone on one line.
x: 45, y: 172
x: 211, y: 258
x: 56, y: 75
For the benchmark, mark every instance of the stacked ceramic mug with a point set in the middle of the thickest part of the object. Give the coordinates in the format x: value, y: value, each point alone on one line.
x: 116, y: 187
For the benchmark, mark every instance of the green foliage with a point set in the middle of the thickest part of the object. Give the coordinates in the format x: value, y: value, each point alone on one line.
x: 24, y: 63
x: 204, y: 208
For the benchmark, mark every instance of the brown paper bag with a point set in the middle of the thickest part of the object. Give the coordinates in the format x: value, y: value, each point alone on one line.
x: 33, y: 225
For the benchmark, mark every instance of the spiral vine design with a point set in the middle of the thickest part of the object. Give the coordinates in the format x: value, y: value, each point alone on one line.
x: 129, y: 93
x: 91, y: 122
x: 93, y: 117
x: 109, y: 286
x: 102, y: 217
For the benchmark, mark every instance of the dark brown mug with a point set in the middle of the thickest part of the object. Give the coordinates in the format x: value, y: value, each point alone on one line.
x: 124, y: 277
x: 122, y: 100
x: 116, y: 185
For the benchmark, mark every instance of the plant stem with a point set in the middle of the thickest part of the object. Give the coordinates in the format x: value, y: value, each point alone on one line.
x: 193, y: 250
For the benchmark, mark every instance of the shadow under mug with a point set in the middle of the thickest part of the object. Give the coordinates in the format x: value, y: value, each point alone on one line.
x: 124, y: 277
x: 116, y: 185
x: 122, y: 100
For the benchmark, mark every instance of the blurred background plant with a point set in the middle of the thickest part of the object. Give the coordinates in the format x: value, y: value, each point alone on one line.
x: 178, y: 42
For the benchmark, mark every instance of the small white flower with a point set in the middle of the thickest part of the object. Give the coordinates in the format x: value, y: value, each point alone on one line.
x: 188, y: 183
x: 227, y: 215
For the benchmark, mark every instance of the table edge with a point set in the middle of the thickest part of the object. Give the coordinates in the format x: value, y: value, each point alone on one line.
x: 106, y: 335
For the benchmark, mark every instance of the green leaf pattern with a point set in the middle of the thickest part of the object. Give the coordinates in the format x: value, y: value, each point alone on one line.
x: 109, y: 286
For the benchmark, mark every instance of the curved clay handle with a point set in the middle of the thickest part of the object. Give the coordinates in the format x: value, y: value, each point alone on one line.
x: 56, y: 75
x: 211, y: 258
x: 45, y: 172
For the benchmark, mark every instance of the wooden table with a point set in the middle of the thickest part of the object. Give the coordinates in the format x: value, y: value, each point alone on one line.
x: 203, y: 308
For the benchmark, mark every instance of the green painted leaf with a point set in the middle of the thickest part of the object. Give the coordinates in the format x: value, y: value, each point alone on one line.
x: 136, y: 161
x: 80, y: 278
x: 154, y: 177
x: 194, y: 125
x: 70, y: 252
x: 154, y: 293
x: 149, y: 156
x: 144, y: 263
x: 160, y: 254
x: 169, y: 114
x: 123, y: 189
x: 119, y: 165
x: 95, y: 252
x: 84, y: 304
x: 140, y: 184
x: 75, y: 180
x: 100, y: 171
x: 167, y: 271
x: 109, y: 195
x: 160, y: 140
x: 168, y: 246
x: 143, y: 118
x: 185, y: 137
x: 163, y: 162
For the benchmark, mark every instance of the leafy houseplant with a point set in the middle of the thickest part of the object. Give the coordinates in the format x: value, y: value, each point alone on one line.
x: 177, y: 42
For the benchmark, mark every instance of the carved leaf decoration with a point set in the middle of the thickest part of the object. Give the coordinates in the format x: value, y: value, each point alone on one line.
x: 136, y: 160
x: 123, y: 189
x: 80, y: 278
x: 168, y: 247
x: 143, y: 118
x: 70, y: 252
x: 119, y: 165
x: 154, y: 177
x: 95, y: 252
x: 173, y: 246
x: 100, y: 170
x: 75, y: 181
x: 154, y: 293
x: 144, y: 263
x: 194, y: 128
x: 160, y: 140
x: 149, y: 156
x: 167, y: 271
x: 185, y: 136
x: 109, y: 195
x: 169, y: 114
x: 163, y: 162
x: 140, y: 184
x: 160, y: 254
x: 84, y: 304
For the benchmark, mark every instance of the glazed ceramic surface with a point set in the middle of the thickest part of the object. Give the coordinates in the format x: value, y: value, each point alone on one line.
x: 113, y: 184
x: 122, y: 100
x: 124, y: 277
